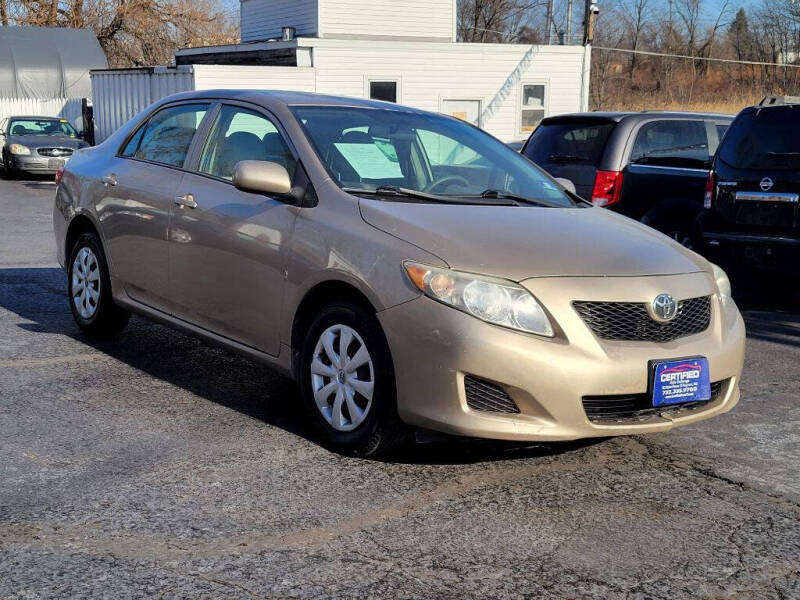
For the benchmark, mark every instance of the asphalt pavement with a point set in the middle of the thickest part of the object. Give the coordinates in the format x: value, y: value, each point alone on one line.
x: 158, y: 466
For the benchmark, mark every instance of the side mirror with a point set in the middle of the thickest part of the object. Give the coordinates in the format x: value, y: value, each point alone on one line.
x: 567, y: 185
x: 262, y: 177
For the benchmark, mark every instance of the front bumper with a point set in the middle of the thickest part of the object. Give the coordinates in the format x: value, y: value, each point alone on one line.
x: 37, y: 164
x: 434, y: 347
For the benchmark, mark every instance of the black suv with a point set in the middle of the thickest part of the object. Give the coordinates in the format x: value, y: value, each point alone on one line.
x: 753, y: 190
x: 651, y: 166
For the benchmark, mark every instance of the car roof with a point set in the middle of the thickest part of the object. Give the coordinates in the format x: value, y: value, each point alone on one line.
x: 35, y: 118
x: 289, y: 98
x: 618, y: 116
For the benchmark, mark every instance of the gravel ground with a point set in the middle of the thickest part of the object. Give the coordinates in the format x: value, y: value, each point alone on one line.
x: 158, y: 466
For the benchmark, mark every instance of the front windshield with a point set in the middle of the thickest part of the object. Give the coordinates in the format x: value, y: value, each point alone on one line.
x: 368, y: 149
x: 49, y: 127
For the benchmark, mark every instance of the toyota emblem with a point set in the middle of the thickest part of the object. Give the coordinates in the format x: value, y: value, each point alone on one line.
x: 664, y: 308
x: 766, y: 184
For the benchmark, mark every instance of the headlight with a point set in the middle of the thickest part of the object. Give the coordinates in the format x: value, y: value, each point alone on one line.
x: 723, y: 284
x: 19, y: 149
x: 495, y: 301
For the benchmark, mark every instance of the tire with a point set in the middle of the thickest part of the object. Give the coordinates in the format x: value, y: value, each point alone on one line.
x: 94, y: 310
x: 9, y: 172
x: 374, y: 426
x: 678, y: 226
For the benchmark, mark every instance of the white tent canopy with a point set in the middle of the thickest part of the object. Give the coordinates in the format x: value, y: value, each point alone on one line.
x: 46, y: 63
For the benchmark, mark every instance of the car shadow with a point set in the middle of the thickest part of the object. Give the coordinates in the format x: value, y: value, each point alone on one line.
x: 770, y: 305
x: 36, y: 182
x: 38, y: 296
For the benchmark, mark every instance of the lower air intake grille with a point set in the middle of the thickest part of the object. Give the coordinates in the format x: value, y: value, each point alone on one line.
x: 488, y: 397
x: 638, y: 407
x: 630, y: 321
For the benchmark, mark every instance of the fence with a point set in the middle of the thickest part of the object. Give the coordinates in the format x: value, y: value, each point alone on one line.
x: 65, y: 108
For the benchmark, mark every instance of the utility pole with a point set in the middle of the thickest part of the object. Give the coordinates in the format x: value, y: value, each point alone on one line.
x: 589, y: 20
x: 549, y: 36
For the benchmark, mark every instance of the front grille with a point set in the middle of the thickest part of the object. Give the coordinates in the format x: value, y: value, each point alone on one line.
x: 55, y: 152
x: 638, y: 407
x: 630, y: 321
x: 488, y: 397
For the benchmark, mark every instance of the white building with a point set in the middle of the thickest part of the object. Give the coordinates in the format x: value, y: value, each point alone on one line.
x: 396, y: 50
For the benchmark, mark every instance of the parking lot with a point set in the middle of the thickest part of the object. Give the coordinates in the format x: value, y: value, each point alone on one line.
x: 160, y: 466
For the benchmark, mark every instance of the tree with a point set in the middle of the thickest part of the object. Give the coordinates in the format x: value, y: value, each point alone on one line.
x: 494, y: 20
x: 740, y: 36
x: 132, y: 32
x: 635, y: 14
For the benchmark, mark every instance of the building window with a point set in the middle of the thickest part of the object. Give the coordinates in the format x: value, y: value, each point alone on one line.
x: 534, y: 96
x: 466, y: 110
x: 383, y: 90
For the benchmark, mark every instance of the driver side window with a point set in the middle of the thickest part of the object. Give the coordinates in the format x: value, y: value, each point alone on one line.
x: 240, y: 134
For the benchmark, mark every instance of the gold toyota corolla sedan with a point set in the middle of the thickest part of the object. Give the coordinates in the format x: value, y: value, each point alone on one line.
x: 406, y: 268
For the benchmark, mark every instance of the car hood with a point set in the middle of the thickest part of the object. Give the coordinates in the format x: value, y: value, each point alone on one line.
x: 517, y: 243
x: 45, y: 141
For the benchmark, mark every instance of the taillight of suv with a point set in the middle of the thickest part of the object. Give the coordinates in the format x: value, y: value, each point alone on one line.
x: 708, y: 199
x: 607, y: 188
x: 59, y: 175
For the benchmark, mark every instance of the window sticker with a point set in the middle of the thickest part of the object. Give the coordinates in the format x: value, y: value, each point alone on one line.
x: 369, y: 161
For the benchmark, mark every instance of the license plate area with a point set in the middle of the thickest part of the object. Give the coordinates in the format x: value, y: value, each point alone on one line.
x: 765, y: 214
x: 56, y: 163
x: 680, y: 381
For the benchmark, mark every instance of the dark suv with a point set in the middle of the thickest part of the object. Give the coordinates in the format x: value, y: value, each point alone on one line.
x: 753, y: 190
x: 651, y: 166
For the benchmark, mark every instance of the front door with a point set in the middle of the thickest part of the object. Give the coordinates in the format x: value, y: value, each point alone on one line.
x: 137, y: 190
x: 228, y: 247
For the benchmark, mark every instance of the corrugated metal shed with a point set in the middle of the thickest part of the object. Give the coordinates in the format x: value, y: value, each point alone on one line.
x: 120, y: 94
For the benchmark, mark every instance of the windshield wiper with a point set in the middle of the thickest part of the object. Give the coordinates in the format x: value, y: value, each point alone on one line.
x: 783, y: 154
x: 395, y: 191
x: 567, y: 158
x: 516, y: 199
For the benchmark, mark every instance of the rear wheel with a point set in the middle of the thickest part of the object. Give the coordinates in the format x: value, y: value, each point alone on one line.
x: 347, y: 381
x: 89, y: 290
x: 678, y: 225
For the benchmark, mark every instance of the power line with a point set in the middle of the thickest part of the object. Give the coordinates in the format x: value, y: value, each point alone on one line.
x: 721, y: 60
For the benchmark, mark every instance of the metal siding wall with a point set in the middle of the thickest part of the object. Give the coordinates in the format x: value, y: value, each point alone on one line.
x: 66, y: 108
x: 428, y: 19
x: 228, y: 77
x: 263, y: 19
x: 431, y: 72
x: 120, y: 95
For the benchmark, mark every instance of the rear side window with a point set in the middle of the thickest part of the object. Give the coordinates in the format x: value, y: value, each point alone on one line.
x: 166, y: 137
x: 672, y: 143
x: 764, y: 139
x: 569, y: 142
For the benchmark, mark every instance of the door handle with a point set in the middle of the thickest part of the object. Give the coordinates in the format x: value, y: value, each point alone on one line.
x: 186, y: 201
x: 110, y: 180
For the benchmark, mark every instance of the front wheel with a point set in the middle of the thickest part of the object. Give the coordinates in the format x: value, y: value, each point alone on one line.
x: 347, y: 381
x: 9, y: 172
x: 89, y: 289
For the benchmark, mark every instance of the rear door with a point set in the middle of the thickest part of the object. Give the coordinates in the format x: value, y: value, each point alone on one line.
x: 669, y: 162
x: 138, y: 188
x: 572, y: 148
x: 758, y: 170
